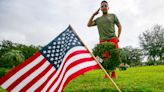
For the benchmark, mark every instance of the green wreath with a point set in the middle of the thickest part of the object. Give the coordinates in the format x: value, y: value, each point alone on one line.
x: 113, y: 59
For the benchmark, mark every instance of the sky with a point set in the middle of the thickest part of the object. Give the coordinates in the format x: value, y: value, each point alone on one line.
x: 38, y: 22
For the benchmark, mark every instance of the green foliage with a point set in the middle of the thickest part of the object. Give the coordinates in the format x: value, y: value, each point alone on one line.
x: 122, y: 68
x: 123, y: 56
x: 3, y: 71
x: 133, y: 56
x: 113, y: 61
x: 11, y: 54
x: 12, y: 58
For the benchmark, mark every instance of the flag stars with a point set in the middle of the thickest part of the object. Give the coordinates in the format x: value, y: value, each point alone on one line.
x: 44, y: 52
x: 55, y: 62
x: 65, y: 45
x: 48, y: 55
x: 67, y: 38
x: 68, y: 47
x: 56, y: 50
x: 63, y: 38
x: 62, y: 42
x: 49, y: 47
x: 51, y: 59
x: 64, y: 49
x: 74, y: 40
x: 60, y: 57
x: 54, y: 43
x: 79, y: 43
x: 68, y: 34
x: 59, y: 39
x: 61, y: 49
x: 59, y: 42
x: 56, y: 54
x: 63, y: 34
x: 53, y: 51
x: 56, y: 58
x: 70, y: 40
x: 54, y: 47
x: 73, y: 43
x: 58, y: 46
x: 58, y: 62
x: 60, y: 53
x: 71, y: 37
x: 69, y: 43
x: 49, y: 51
x: 58, y: 65
x: 67, y: 30
x: 70, y: 31
x: 52, y: 55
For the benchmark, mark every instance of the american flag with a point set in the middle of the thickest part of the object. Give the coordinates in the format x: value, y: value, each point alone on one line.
x: 53, y: 67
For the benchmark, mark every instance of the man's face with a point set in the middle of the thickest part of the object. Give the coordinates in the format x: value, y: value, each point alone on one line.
x: 104, y: 7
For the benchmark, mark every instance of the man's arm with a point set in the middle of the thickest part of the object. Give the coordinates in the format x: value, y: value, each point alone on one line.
x: 91, y: 22
x: 119, y: 30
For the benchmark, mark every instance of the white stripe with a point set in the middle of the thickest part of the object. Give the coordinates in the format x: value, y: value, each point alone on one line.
x: 31, y: 77
x: 58, y: 71
x: 75, y: 69
x: 71, y: 60
x: 41, y: 81
x: 21, y: 72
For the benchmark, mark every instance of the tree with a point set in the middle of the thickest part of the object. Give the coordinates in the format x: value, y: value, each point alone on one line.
x: 27, y: 51
x: 12, y: 58
x: 152, y: 43
x: 123, y: 56
x: 133, y: 56
x: 14, y: 50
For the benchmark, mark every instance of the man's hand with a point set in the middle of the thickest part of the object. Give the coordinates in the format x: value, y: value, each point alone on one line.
x: 97, y: 12
x: 118, y: 39
x: 91, y: 22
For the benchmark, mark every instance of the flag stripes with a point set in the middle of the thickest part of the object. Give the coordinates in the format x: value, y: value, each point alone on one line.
x: 9, y: 77
x: 36, y: 78
x: 18, y: 71
x: 84, y: 68
x: 68, y: 61
x: 40, y: 88
x: 30, y: 77
x: 40, y: 75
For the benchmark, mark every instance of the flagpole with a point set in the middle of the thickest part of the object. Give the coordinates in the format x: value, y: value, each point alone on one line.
x: 97, y: 61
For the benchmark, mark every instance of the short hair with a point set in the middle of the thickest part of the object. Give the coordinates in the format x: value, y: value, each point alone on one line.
x: 104, y: 2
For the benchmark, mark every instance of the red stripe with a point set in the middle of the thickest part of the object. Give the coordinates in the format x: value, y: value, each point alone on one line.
x: 26, y: 74
x: 39, y: 89
x: 72, y: 65
x: 70, y: 55
x: 36, y: 78
x: 74, y: 75
x: 19, y: 67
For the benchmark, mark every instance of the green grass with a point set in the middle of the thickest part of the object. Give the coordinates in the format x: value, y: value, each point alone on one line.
x: 137, y: 79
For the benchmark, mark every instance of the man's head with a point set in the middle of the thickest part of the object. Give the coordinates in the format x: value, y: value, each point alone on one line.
x: 104, y: 7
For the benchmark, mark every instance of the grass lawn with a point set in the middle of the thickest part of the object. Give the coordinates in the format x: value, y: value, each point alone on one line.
x: 137, y: 79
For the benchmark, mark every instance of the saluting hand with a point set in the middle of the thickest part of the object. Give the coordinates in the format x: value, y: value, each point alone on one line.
x: 97, y: 12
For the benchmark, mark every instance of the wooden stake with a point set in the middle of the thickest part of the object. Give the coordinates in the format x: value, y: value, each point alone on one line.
x: 115, y: 85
